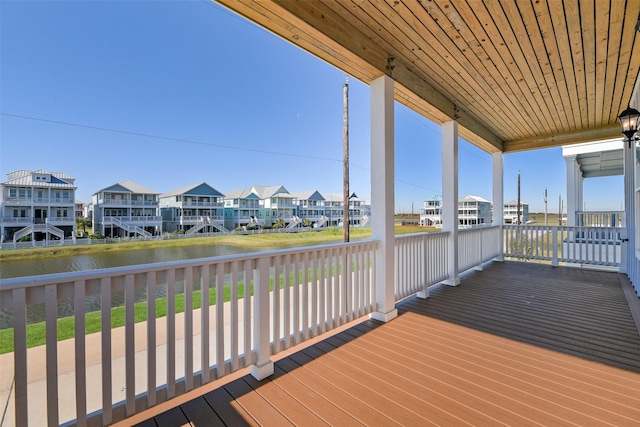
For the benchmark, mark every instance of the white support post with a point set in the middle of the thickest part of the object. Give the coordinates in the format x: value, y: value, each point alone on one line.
x: 450, y: 198
x: 574, y: 190
x: 264, y: 365
x: 629, y: 246
x: 498, y: 197
x: 382, y: 196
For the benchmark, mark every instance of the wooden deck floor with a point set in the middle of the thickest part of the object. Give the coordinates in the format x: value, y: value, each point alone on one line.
x: 516, y: 344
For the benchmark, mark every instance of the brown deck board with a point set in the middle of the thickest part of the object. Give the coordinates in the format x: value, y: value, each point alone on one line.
x: 516, y: 344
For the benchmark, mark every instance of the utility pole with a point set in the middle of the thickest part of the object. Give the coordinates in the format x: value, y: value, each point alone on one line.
x: 560, y: 210
x: 519, y: 222
x: 545, y: 206
x: 345, y: 157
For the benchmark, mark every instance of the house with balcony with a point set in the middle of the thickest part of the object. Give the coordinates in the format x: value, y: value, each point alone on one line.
x: 431, y: 212
x: 472, y: 211
x: 510, y: 212
x: 441, y: 328
x: 37, y: 203
x: 127, y: 209
x: 260, y: 206
x: 242, y: 209
x: 310, y: 206
x: 359, y: 210
x: 193, y: 209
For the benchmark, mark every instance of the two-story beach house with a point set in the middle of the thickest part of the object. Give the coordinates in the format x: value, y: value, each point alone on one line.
x: 241, y: 209
x: 359, y: 210
x: 431, y: 212
x: 37, y: 203
x: 260, y: 205
x: 193, y: 209
x: 472, y: 211
x: 310, y: 206
x: 511, y: 212
x: 126, y: 209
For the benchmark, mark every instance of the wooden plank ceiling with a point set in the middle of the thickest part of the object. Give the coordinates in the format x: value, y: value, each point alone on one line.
x: 517, y: 74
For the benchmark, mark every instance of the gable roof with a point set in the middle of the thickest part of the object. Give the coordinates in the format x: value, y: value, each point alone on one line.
x: 470, y: 198
x: 128, y: 186
x: 265, y: 192
x: 240, y: 194
x: 202, y: 189
x: 307, y: 195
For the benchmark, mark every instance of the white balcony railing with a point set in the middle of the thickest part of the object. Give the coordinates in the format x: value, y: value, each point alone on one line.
x: 295, y: 295
x: 600, y: 219
x: 420, y: 261
x: 598, y: 246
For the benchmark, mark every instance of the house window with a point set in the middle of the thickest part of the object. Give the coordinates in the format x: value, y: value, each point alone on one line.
x: 12, y: 192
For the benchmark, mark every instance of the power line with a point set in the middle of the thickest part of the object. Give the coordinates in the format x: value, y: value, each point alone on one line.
x: 189, y: 141
x: 167, y: 138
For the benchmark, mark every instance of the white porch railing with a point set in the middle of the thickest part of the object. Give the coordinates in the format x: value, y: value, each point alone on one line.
x: 600, y: 218
x: 599, y: 246
x: 478, y: 245
x: 296, y: 295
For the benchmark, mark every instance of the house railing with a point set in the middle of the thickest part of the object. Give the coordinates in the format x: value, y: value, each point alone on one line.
x: 420, y: 261
x: 258, y: 305
x: 596, y: 246
x: 600, y: 219
x: 478, y: 245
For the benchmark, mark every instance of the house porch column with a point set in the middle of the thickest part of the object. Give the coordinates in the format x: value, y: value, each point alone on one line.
x: 628, y: 260
x: 498, y: 196
x: 574, y: 189
x: 382, y: 196
x: 450, y: 198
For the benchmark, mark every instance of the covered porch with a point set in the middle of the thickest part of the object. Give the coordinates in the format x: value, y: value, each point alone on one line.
x: 506, y: 76
x: 516, y: 344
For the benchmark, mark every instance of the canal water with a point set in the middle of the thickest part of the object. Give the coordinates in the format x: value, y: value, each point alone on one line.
x: 49, y: 265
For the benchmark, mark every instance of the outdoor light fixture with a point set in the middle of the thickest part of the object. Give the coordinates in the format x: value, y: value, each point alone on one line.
x: 629, y: 121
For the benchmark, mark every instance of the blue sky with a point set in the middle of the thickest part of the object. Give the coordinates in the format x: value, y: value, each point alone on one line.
x: 173, y: 93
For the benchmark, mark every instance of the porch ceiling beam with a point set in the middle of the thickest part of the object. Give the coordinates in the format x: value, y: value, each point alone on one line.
x: 545, y: 141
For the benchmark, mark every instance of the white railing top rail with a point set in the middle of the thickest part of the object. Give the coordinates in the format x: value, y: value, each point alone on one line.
x: 70, y: 277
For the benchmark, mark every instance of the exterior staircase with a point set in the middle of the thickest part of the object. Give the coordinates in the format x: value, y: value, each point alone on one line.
x: 294, y: 222
x: 365, y: 221
x: 129, y: 228
x: 321, y: 223
x: 204, y: 222
x: 38, y: 228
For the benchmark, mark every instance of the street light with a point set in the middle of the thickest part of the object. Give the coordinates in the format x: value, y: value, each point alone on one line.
x: 629, y: 121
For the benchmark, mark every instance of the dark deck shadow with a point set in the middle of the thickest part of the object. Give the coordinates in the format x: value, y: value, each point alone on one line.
x: 574, y: 311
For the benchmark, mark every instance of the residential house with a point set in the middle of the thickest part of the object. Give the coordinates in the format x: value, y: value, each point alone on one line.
x: 472, y: 211
x: 431, y: 213
x: 193, y: 209
x: 511, y: 212
x: 241, y: 209
x: 126, y: 209
x: 37, y: 203
x: 275, y: 203
x: 359, y: 210
x: 310, y: 206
